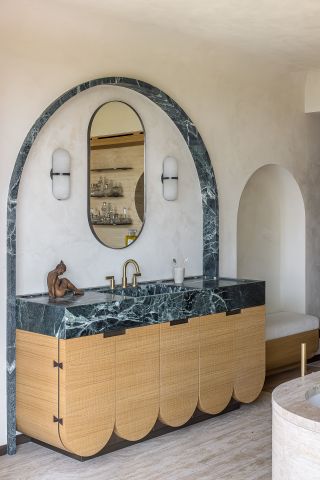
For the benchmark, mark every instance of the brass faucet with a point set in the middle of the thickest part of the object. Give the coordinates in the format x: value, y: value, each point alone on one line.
x: 135, y: 275
x: 112, y: 283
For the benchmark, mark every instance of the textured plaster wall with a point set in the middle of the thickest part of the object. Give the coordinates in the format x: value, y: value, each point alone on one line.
x: 271, y: 237
x: 48, y: 229
x: 312, y: 92
x: 248, y: 112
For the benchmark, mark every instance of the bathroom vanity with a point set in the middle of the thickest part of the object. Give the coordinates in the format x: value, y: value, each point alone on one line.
x: 116, y: 363
x: 93, y: 373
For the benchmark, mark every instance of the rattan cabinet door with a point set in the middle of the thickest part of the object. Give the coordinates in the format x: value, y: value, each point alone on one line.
x: 179, y: 371
x: 137, y: 382
x: 37, y: 386
x: 216, y: 362
x: 86, y: 393
x: 249, y: 353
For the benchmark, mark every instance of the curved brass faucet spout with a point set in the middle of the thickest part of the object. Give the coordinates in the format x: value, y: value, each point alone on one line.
x: 135, y: 275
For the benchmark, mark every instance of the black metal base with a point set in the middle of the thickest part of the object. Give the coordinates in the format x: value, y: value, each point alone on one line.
x: 116, y: 443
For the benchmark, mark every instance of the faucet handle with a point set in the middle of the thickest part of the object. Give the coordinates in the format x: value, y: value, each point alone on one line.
x: 111, y: 278
x: 134, y: 279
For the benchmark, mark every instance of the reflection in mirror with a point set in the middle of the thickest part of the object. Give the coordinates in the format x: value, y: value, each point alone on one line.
x: 139, y: 197
x: 116, y: 175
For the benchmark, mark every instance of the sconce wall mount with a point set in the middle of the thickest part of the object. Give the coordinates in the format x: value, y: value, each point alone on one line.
x: 169, y: 179
x: 60, y: 174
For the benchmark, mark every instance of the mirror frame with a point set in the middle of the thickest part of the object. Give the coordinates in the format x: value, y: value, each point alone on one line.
x: 88, y: 175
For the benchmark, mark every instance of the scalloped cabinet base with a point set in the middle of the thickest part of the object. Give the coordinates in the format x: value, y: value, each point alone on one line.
x: 74, y: 394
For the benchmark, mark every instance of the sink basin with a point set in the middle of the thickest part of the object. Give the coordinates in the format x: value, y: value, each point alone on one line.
x: 146, y: 290
x: 313, y: 397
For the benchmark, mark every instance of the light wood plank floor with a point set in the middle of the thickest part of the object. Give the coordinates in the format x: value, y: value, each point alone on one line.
x: 235, y: 446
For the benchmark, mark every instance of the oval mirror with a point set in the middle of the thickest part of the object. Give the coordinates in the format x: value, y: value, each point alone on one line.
x: 116, y: 195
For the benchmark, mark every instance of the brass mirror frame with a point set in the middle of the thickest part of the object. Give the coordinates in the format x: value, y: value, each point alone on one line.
x: 88, y: 175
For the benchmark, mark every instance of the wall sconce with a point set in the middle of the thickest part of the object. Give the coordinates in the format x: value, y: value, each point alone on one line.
x: 60, y: 174
x: 169, y: 179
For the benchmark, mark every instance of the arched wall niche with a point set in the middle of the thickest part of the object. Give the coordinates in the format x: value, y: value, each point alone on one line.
x: 271, y: 237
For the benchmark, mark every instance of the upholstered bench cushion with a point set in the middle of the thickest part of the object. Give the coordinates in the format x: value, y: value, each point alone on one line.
x: 283, y: 324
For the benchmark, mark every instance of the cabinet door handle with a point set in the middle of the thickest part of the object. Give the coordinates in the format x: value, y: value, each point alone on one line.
x: 179, y: 321
x: 234, y: 312
x: 57, y: 420
x: 113, y: 333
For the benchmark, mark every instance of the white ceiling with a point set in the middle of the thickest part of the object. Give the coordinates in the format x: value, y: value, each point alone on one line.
x: 287, y: 31
x: 284, y: 30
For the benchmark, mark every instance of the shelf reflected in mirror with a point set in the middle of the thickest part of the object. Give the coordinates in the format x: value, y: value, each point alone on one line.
x: 116, y: 161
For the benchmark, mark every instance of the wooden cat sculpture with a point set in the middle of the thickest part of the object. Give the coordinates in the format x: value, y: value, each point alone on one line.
x: 58, y: 287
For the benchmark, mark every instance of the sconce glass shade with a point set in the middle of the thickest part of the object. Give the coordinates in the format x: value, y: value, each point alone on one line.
x: 170, y: 179
x: 60, y: 174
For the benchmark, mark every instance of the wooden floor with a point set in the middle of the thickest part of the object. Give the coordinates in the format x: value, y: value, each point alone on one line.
x: 235, y: 446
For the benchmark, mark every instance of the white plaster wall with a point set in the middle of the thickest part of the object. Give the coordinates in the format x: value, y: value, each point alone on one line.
x: 49, y: 230
x: 312, y: 92
x: 293, y: 245
x: 259, y: 234
x: 248, y: 111
x: 271, y: 237
x: 115, y: 117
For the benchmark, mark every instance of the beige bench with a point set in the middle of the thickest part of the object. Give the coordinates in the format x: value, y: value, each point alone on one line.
x: 285, y: 331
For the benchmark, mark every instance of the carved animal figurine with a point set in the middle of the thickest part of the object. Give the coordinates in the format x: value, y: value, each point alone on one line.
x: 58, y: 287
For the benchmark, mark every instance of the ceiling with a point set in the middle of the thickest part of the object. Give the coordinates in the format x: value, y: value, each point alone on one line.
x: 286, y: 31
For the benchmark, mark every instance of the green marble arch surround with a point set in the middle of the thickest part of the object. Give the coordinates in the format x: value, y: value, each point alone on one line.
x: 209, y: 205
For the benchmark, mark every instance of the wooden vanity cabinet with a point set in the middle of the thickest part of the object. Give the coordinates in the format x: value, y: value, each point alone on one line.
x: 73, y: 394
